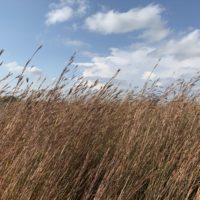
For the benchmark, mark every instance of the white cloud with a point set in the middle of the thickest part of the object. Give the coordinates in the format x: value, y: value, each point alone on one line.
x: 129, y: 61
x: 149, y: 75
x: 59, y: 15
x: 65, y: 10
x: 155, y: 34
x: 35, y: 71
x: 96, y: 86
x: 186, y: 47
x: 146, y: 18
x: 179, y: 57
x: 89, y: 54
x: 14, y: 67
x: 75, y: 43
x: 80, y: 6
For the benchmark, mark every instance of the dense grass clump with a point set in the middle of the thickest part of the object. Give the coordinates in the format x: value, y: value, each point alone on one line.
x: 78, y: 142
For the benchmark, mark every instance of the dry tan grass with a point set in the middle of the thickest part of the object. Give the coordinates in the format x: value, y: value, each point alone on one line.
x: 92, y: 144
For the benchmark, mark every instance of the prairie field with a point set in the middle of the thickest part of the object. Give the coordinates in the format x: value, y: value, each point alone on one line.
x: 81, y: 142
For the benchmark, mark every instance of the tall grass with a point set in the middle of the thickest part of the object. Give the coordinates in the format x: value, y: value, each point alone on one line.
x: 73, y: 141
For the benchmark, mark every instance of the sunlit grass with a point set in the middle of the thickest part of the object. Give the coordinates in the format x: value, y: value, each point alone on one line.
x: 77, y: 142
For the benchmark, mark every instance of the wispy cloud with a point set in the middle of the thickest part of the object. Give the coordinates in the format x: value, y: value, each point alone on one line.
x: 147, y: 18
x: 59, y: 15
x: 149, y: 75
x: 89, y: 54
x: 65, y: 10
x: 75, y: 43
x: 187, y: 46
x: 15, y: 68
x: 180, y: 53
x: 179, y: 57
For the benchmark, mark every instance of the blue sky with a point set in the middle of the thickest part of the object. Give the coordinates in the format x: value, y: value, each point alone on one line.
x: 107, y: 35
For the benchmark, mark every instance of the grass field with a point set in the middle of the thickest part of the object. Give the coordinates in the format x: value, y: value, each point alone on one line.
x: 100, y: 144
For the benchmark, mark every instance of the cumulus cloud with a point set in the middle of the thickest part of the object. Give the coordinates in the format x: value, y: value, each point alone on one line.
x: 130, y: 60
x: 155, y: 34
x: 179, y: 57
x: 65, y: 10
x: 146, y: 18
x: 14, y: 67
x: 185, y: 47
x: 59, y: 15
